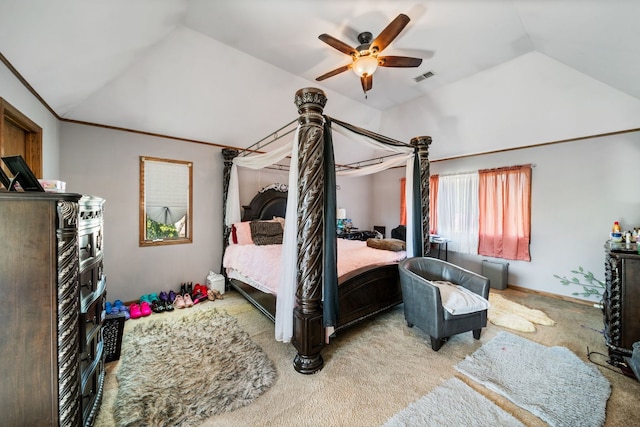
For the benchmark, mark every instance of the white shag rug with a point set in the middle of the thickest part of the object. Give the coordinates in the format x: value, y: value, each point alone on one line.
x: 453, y: 404
x: 512, y: 315
x: 550, y: 382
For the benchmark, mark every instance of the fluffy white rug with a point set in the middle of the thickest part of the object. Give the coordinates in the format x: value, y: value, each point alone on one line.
x: 512, y: 315
x: 550, y: 382
x: 452, y: 404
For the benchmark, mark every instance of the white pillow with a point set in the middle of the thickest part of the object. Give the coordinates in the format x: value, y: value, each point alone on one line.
x: 459, y: 300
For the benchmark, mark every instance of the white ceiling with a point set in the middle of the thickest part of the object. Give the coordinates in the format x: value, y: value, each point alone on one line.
x: 142, y: 63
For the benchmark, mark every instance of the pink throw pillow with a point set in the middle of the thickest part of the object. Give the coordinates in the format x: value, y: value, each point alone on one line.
x: 243, y: 233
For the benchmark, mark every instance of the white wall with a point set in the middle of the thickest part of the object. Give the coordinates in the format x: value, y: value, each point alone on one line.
x: 105, y: 163
x: 578, y: 190
x: 530, y: 100
x: 14, y: 92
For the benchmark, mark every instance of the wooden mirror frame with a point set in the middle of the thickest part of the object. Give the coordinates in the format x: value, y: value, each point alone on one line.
x: 188, y: 238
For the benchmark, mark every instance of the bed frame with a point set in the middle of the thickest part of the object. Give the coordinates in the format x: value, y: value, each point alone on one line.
x: 362, y: 293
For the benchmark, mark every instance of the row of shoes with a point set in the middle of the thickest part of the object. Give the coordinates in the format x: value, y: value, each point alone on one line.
x: 191, y: 295
x: 188, y: 296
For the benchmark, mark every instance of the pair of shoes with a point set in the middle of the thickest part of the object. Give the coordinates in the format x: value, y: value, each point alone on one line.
x: 183, y: 301
x: 110, y: 308
x: 118, y: 304
x: 199, y: 293
x: 216, y: 293
x: 186, y: 288
x: 164, y: 299
x: 157, y: 306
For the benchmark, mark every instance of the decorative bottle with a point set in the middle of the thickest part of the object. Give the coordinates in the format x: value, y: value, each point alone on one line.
x: 616, y: 232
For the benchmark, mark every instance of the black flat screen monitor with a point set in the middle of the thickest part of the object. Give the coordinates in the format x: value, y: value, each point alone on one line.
x: 22, y: 173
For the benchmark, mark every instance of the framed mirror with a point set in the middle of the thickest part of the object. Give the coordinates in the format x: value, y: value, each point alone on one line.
x: 166, y: 196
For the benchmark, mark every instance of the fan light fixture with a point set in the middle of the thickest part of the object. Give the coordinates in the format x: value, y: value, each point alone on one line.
x: 365, y: 65
x: 365, y: 58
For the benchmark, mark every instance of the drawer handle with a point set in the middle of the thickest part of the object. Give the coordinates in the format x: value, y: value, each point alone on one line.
x: 92, y: 320
x: 87, y: 285
x: 86, y: 248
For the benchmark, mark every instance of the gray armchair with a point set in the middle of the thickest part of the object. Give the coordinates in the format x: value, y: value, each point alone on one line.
x: 423, y: 304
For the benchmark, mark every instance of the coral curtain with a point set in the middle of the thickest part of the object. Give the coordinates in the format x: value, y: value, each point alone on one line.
x: 505, y: 212
x: 403, y: 202
x: 433, y: 204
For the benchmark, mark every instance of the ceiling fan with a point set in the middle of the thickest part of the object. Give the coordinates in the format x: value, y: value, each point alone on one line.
x: 365, y: 59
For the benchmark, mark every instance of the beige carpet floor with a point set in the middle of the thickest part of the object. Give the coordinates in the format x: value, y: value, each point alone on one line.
x: 376, y: 369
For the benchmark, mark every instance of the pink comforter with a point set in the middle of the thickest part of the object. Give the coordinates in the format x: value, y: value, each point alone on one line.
x: 261, y: 264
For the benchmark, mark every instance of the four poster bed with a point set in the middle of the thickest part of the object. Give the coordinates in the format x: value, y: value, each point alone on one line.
x: 316, y: 295
x: 370, y: 284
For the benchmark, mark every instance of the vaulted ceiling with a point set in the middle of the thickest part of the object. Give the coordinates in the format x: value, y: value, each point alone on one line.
x: 177, y: 66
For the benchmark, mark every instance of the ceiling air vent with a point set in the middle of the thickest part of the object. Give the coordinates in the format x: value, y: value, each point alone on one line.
x: 426, y: 75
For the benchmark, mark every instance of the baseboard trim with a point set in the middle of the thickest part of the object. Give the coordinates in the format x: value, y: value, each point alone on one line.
x: 551, y: 295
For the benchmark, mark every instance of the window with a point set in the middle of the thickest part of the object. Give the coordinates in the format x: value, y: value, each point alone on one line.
x: 486, y: 213
x: 457, y: 210
x: 165, y: 201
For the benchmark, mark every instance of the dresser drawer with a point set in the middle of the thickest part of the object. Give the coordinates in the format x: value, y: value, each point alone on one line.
x: 91, y: 321
x: 90, y: 245
x: 92, y: 284
x: 91, y: 355
x: 91, y: 393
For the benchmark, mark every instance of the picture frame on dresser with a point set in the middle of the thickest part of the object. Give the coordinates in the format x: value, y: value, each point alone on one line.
x: 22, y: 173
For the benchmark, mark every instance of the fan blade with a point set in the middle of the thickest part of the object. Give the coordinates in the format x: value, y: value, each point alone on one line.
x: 390, y: 33
x: 367, y: 83
x: 399, y: 61
x: 337, y: 44
x: 334, y: 72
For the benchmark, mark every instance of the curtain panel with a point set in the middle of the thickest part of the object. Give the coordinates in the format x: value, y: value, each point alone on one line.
x: 433, y: 203
x: 505, y: 212
x: 457, y: 211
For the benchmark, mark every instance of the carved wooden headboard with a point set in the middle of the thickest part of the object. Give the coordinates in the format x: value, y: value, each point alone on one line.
x: 269, y: 202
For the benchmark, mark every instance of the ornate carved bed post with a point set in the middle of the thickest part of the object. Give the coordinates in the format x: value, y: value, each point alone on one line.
x: 308, y: 330
x: 228, y: 154
x: 423, y: 142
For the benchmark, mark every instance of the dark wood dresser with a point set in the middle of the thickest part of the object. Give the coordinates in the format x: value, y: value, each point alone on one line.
x: 52, y: 288
x: 621, y: 300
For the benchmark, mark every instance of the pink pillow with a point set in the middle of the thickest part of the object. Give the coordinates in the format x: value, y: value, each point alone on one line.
x: 243, y: 233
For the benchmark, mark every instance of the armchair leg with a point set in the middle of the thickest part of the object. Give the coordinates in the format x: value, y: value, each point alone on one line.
x: 476, y: 333
x: 436, y: 343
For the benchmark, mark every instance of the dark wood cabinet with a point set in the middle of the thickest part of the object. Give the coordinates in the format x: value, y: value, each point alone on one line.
x: 621, y: 300
x: 52, y: 287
